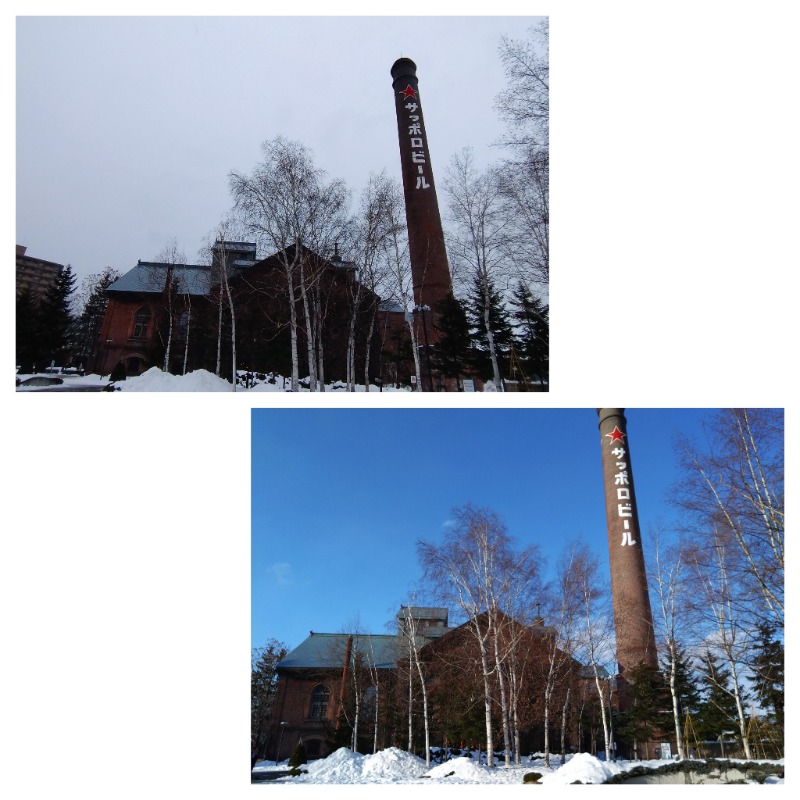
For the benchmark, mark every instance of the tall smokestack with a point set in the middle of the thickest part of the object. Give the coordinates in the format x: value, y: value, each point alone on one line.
x: 430, y: 272
x: 633, y: 619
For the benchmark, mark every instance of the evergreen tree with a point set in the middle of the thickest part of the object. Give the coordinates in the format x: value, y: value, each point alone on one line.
x: 454, y: 349
x: 88, y: 324
x: 263, y: 684
x: 499, y: 324
x: 717, y: 710
x: 649, y: 707
x: 686, y: 685
x: 767, y: 672
x: 28, y: 345
x: 532, y: 335
x: 55, y: 319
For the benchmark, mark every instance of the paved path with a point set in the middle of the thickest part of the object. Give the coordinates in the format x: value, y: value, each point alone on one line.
x: 262, y: 776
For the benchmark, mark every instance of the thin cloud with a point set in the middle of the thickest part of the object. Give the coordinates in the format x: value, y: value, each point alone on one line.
x: 281, y: 573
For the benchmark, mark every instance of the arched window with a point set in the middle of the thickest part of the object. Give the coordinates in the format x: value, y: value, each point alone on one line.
x: 140, y: 323
x: 319, y: 702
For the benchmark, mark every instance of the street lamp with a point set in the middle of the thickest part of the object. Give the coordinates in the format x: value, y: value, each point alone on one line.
x: 280, y: 743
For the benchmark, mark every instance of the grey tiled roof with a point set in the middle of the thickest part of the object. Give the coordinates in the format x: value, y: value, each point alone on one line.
x: 327, y: 651
x: 149, y: 277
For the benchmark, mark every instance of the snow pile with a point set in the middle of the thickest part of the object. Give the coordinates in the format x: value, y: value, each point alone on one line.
x: 154, y: 380
x: 343, y: 766
x: 584, y: 768
x: 201, y: 380
x: 391, y: 765
x: 464, y: 770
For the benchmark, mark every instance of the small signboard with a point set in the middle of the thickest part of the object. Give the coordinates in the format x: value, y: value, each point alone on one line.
x: 666, y: 750
x: 469, y: 385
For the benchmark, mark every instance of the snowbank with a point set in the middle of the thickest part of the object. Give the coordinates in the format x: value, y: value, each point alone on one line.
x: 397, y: 767
x: 584, y: 768
x: 154, y: 380
x: 463, y: 770
x: 391, y: 765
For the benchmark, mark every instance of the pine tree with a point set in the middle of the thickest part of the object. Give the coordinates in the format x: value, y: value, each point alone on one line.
x: 532, y: 334
x: 454, y: 349
x: 717, y: 710
x: 263, y: 684
x: 686, y: 685
x: 88, y: 324
x: 55, y: 319
x: 499, y: 324
x: 28, y: 346
x: 649, y: 706
x: 767, y: 672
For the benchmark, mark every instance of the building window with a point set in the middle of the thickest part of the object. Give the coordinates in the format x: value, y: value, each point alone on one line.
x: 140, y: 324
x: 319, y: 702
x: 370, y: 698
x: 183, y: 323
x: 313, y: 749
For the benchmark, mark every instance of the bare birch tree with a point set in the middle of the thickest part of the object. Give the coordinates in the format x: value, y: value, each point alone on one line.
x: 736, y: 481
x: 411, y: 633
x: 666, y: 579
x: 373, y: 225
x: 476, y: 568
x: 477, y: 232
x: 730, y: 630
x: 291, y: 207
x: 172, y: 257
x: 563, y: 606
x: 597, y: 630
x: 399, y: 281
x: 525, y: 183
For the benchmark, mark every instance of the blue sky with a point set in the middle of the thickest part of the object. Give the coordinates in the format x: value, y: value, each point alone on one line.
x: 341, y: 496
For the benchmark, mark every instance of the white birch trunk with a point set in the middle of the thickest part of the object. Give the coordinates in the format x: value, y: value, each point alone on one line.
x: 188, y: 328
x: 370, y: 334
x: 503, y: 699
x: 293, y: 333
x: 410, y: 701
x: 498, y: 381
x: 233, y: 331
x: 564, y: 727
x: 169, y: 343
x: 424, y: 709
x: 219, y: 337
x: 675, y: 706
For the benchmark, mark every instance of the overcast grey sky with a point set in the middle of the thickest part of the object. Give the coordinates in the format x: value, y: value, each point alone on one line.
x: 127, y: 127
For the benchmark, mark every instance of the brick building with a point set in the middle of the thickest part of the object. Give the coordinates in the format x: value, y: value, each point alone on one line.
x: 318, y: 681
x: 136, y: 323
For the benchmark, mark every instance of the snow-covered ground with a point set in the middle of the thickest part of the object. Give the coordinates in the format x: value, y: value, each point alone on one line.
x: 154, y: 380
x: 397, y: 766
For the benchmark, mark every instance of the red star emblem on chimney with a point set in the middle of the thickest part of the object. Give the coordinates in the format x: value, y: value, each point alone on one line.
x: 616, y: 435
x: 408, y: 92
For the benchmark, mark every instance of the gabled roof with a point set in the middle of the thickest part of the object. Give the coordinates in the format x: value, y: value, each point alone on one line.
x: 327, y: 651
x: 150, y: 277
